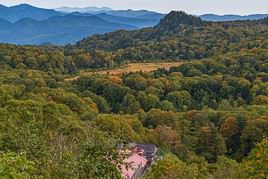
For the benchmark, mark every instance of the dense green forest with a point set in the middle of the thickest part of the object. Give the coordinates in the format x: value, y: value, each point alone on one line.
x: 209, y: 117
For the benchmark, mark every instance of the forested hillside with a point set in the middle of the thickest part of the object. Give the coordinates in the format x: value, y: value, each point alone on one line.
x: 180, y: 37
x: 208, y: 117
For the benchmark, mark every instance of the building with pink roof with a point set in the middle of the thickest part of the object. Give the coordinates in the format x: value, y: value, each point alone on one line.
x: 140, y: 158
x: 133, y: 166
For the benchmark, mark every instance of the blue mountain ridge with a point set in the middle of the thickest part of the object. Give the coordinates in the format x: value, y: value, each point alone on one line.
x: 56, y: 30
x: 15, y: 13
x: 26, y: 24
x: 230, y: 17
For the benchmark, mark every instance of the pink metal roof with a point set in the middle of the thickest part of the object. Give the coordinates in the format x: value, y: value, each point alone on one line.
x: 134, y: 161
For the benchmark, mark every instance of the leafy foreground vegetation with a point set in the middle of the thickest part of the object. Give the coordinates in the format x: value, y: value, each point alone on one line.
x: 208, y: 117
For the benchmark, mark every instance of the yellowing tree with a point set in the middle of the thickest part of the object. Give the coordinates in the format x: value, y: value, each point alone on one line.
x: 256, y: 164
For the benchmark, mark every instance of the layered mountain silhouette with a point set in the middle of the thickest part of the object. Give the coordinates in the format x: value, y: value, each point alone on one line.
x: 15, y: 13
x: 56, y: 29
x: 139, y: 22
x: 214, y: 17
x: 26, y: 24
x: 83, y: 10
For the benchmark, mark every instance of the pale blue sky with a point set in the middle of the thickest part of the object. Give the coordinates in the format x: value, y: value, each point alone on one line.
x: 191, y: 6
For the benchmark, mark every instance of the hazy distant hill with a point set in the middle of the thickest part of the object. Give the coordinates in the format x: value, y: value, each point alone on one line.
x: 137, y: 14
x: 107, y: 10
x: 56, y: 29
x: 15, y: 13
x: 25, y: 24
x: 214, y: 17
x: 138, y: 22
x: 133, y: 13
x: 86, y: 9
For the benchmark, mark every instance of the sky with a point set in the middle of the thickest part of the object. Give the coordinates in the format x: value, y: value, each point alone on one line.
x: 196, y: 7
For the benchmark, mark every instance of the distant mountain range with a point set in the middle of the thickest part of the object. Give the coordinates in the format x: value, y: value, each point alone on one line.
x: 56, y: 30
x: 15, y: 13
x: 131, y: 13
x: 139, y: 21
x: 82, y: 10
x: 26, y: 24
x: 214, y: 17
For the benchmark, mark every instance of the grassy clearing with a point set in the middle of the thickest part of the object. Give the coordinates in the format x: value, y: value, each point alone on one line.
x: 132, y: 67
x: 136, y: 67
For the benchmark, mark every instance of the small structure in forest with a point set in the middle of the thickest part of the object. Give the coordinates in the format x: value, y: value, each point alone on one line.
x: 141, y: 156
